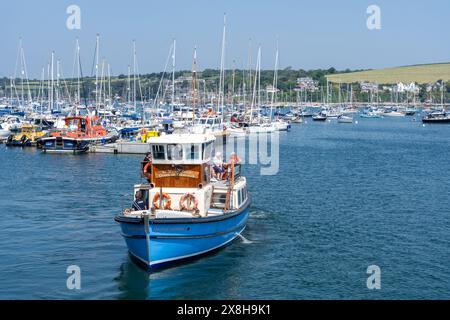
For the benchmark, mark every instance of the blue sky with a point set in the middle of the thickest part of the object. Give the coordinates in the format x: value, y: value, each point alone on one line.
x: 312, y: 34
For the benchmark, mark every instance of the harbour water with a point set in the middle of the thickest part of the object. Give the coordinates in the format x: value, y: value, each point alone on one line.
x: 346, y: 197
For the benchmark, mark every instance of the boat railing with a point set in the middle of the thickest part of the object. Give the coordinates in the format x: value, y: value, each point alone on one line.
x: 237, y: 171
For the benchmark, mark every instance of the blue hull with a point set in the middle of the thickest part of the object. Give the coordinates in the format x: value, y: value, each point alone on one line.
x: 64, y: 145
x: 171, y: 241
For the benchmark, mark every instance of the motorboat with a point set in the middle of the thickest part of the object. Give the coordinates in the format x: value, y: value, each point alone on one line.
x: 180, y: 212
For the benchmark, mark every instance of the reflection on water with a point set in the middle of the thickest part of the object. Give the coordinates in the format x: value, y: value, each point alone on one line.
x: 132, y: 281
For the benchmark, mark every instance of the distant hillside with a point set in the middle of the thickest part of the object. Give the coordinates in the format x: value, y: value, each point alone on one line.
x: 422, y: 74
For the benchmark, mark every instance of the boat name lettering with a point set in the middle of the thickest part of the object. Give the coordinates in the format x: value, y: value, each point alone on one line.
x: 174, y: 173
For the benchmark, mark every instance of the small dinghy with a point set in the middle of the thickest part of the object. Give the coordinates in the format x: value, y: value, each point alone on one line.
x: 345, y: 119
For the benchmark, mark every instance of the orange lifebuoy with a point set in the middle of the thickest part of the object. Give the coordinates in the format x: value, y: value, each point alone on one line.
x: 145, y: 172
x: 167, y: 199
x: 187, y: 200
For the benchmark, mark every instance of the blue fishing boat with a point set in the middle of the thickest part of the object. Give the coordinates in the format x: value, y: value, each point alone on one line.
x: 186, y: 208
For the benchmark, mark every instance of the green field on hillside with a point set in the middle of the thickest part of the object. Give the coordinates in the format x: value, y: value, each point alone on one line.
x: 420, y: 73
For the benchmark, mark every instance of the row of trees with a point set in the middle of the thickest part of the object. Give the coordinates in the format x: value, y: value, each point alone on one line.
x: 148, y: 84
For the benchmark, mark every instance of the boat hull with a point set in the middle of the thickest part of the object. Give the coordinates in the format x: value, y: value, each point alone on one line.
x: 172, y: 241
x: 64, y: 145
x: 443, y: 120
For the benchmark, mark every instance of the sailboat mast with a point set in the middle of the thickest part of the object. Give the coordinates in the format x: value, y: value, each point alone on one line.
x: 78, y: 74
x: 109, y: 84
x: 174, y: 56
x: 51, y: 81
x: 134, y: 76
x: 275, y: 83
x: 57, y: 80
x: 259, y: 83
x: 232, y: 84
x: 222, y: 69
x: 96, y: 71
x: 194, y: 84
x: 129, y: 86
x: 21, y: 73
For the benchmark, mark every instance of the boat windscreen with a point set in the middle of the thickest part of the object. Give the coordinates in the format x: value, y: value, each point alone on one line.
x: 159, y: 152
x: 174, y: 152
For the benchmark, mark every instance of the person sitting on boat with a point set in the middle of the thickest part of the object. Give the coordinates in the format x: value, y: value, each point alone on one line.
x: 139, y: 203
x: 218, y: 170
x: 234, y: 158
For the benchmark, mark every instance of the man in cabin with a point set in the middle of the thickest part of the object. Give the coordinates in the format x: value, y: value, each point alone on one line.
x: 139, y: 203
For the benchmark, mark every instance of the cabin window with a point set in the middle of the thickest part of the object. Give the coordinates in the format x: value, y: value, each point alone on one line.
x: 159, y: 152
x: 211, y: 121
x: 83, y: 125
x: 207, y: 174
x: 239, y: 197
x: 174, y: 152
x: 207, y: 149
x: 193, y: 152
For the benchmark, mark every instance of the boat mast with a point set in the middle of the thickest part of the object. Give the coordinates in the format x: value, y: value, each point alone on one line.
x: 102, y: 84
x: 275, y: 83
x: 232, y: 85
x: 254, y: 97
x: 134, y: 76
x: 51, y: 81
x: 194, y: 84
x: 97, y: 49
x: 220, y: 100
x: 78, y: 77
x: 57, y: 81
x: 129, y: 86
x: 109, y: 84
x: 21, y: 74
x: 259, y: 84
x: 173, y: 71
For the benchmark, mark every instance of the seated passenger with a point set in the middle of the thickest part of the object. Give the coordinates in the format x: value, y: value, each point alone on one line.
x: 139, y: 203
x: 234, y: 158
x: 218, y: 169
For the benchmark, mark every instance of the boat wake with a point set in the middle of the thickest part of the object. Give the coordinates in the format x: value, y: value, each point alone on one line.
x: 259, y: 214
x: 244, y: 239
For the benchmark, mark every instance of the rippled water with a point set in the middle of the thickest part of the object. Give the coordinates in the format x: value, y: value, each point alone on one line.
x: 346, y: 197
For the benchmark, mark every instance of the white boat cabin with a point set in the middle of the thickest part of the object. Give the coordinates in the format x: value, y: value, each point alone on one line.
x: 208, y: 124
x: 179, y: 180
